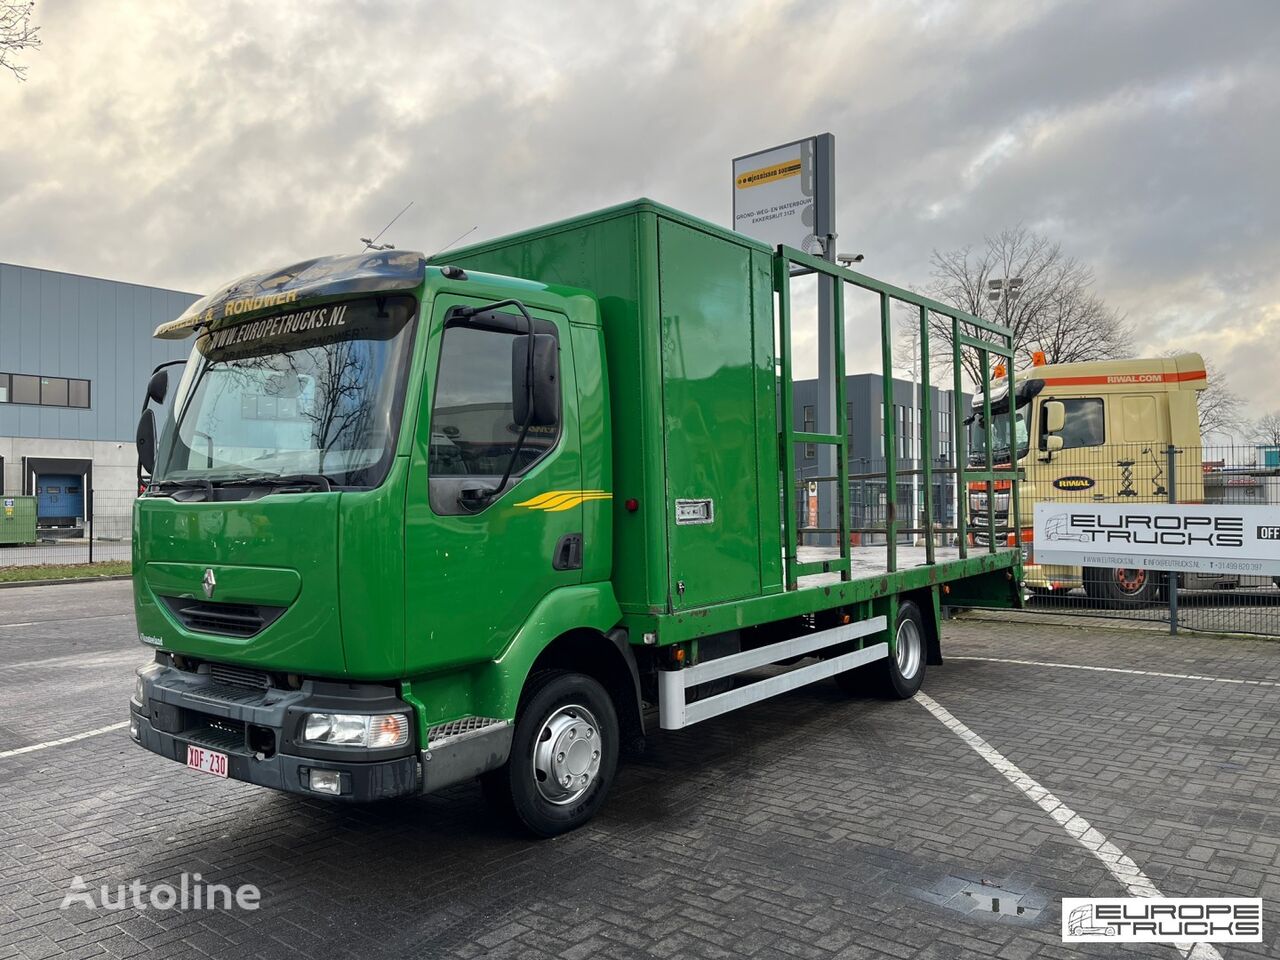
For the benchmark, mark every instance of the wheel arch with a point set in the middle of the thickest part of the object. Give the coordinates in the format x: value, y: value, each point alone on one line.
x: 606, y: 657
x: 493, y: 688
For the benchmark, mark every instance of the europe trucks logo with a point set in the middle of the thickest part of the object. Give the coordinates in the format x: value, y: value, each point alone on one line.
x: 1162, y: 919
x: 555, y: 501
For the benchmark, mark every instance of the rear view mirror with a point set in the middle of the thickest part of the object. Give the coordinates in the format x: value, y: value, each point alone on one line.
x: 546, y: 380
x: 158, y: 386
x: 147, y: 441
x: 1055, y: 416
x: 1052, y: 443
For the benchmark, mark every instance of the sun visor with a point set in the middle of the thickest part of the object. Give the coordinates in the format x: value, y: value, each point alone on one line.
x: 369, y: 272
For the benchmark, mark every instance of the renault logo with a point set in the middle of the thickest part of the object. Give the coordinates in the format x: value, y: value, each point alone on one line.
x: 210, y: 583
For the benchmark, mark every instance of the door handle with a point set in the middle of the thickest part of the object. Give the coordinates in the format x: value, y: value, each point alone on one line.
x: 568, y: 554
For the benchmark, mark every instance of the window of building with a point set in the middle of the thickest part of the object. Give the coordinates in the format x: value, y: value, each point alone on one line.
x: 1083, y: 426
x: 43, y: 391
x: 810, y: 449
x: 26, y: 389
x: 53, y: 391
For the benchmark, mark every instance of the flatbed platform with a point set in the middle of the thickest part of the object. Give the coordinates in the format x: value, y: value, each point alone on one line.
x: 871, y: 560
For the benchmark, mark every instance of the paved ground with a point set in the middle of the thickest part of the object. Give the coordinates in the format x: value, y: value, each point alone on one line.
x: 811, y: 826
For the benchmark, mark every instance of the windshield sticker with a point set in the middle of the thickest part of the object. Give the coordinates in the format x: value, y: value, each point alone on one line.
x: 304, y: 321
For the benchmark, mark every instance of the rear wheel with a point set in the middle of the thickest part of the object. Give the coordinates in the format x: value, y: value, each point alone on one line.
x: 899, y: 675
x: 1123, y: 587
x: 563, y: 755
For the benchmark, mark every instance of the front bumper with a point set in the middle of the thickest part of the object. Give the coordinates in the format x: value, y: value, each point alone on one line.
x: 259, y: 730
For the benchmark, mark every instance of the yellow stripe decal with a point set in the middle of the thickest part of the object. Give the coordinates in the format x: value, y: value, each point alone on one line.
x: 553, y: 501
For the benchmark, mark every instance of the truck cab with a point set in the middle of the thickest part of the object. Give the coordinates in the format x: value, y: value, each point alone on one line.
x: 1093, y: 432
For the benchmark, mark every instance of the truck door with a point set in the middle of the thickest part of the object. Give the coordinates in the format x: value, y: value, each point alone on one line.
x: 1080, y: 471
x: 477, y: 564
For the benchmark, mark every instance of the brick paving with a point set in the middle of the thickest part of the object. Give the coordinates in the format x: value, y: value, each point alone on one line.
x: 811, y: 826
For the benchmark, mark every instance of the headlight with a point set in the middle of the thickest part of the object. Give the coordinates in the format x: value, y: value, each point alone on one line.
x: 139, y: 689
x: 357, y: 730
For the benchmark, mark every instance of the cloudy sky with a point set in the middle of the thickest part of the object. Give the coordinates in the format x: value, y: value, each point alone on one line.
x: 181, y: 144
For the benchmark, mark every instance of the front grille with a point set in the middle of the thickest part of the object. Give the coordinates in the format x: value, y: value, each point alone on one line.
x: 222, y: 619
x: 226, y: 736
x: 239, y: 676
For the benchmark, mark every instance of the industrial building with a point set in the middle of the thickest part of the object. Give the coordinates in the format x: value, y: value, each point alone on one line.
x: 75, y: 356
x: 865, y: 420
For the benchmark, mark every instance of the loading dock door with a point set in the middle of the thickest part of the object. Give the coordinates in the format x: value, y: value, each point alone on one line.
x: 59, y: 499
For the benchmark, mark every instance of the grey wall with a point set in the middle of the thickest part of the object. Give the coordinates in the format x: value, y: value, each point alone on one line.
x: 63, y: 325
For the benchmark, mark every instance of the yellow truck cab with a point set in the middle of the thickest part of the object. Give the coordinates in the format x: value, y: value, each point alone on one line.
x: 1093, y: 432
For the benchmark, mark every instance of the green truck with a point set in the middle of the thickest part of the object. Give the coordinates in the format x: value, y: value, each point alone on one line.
x: 411, y: 522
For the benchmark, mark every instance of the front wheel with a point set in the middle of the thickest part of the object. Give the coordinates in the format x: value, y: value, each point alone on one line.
x: 563, y: 755
x: 899, y: 675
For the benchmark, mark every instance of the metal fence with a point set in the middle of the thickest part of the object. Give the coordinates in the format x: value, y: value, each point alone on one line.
x: 1226, y: 603
x: 869, y: 500
x: 94, y: 540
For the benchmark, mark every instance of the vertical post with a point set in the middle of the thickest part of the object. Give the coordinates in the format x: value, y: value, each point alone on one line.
x: 1011, y: 510
x: 958, y: 445
x: 830, y: 360
x: 890, y: 439
x: 984, y: 362
x: 926, y: 435
x: 841, y: 427
x: 92, y: 511
x: 787, y: 453
x: 1171, y: 584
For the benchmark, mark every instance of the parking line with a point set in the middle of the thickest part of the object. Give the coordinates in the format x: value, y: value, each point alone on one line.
x: 57, y: 743
x: 1140, y: 673
x: 1128, y: 873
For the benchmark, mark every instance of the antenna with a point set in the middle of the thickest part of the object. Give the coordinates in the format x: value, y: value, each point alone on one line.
x: 372, y: 243
x: 461, y: 236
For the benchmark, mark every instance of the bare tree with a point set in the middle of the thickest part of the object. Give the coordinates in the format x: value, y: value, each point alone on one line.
x: 16, y: 34
x: 1266, y: 429
x: 1053, y: 308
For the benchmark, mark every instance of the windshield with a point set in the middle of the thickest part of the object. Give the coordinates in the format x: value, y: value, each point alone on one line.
x: 315, y: 391
x: 999, y: 437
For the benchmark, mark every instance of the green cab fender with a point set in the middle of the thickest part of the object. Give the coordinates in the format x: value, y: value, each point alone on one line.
x: 492, y: 689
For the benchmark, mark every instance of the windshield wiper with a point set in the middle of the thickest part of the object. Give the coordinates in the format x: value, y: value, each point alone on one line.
x: 278, y: 480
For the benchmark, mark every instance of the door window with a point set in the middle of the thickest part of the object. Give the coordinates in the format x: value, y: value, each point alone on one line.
x: 473, y: 428
x: 1083, y: 426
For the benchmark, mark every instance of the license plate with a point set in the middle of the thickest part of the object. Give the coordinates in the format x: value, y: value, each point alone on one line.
x: 207, y: 761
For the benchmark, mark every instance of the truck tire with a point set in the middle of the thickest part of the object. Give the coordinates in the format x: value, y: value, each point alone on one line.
x: 1118, y: 588
x: 898, y: 676
x: 563, y: 755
